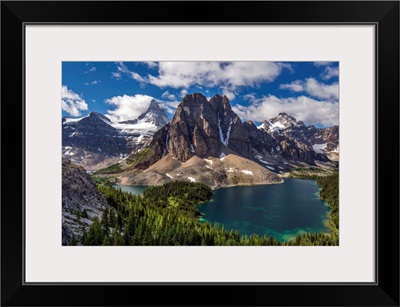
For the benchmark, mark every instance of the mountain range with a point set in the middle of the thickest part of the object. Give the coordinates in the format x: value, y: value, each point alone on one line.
x: 94, y: 141
x: 206, y: 141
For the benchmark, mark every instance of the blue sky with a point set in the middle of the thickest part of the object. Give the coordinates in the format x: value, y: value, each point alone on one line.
x: 257, y: 91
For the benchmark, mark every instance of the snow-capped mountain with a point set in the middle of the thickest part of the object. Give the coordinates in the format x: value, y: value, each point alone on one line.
x: 281, y: 122
x: 203, y: 128
x: 209, y: 130
x: 94, y: 141
x: 154, y: 115
x: 323, y: 140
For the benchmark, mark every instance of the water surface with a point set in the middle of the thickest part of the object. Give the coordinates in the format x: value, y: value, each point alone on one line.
x: 280, y: 210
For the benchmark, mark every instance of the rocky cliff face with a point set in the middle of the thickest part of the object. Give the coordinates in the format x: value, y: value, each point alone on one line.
x: 206, y: 128
x: 95, y: 142
x: 81, y: 201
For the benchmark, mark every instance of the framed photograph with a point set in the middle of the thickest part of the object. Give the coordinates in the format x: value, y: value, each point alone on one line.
x: 248, y: 151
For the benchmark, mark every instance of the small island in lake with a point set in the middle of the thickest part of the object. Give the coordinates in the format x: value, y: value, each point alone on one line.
x: 239, y: 168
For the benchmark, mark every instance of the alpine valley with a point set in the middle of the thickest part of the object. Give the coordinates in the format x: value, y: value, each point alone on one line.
x: 205, y: 142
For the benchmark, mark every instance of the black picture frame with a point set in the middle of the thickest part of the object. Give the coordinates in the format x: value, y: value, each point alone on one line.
x: 383, y: 14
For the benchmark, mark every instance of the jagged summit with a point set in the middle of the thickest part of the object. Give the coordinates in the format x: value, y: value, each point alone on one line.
x: 153, y: 115
x: 99, y: 115
x: 194, y: 97
x: 280, y: 122
x: 201, y: 127
x: 210, y: 128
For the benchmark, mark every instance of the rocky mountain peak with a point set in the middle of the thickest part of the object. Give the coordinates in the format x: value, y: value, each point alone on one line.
x: 94, y: 140
x: 218, y: 101
x: 191, y: 108
x: 155, y: 108
x: 153, y: 115
x: 284, y: 117
x: 205, y: 128
x: 194, y: 99
x: 99, y: 115
x: 281, y: 122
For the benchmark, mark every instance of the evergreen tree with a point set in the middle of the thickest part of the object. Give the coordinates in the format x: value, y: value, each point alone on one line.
x: 85, y: 214
x: 95, y: 235
x: 105, y: 222
x: 73, y: 241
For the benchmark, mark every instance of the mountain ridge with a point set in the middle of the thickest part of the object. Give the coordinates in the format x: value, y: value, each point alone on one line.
x: 211, y: 130
x: 94, y: 141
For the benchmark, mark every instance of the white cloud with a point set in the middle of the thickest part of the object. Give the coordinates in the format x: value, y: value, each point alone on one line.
x: 211, y: 74
x: 169, y: 106
x: 295, y: 86
x: 168, y: 95
x: 322, y: 63
x: 228, y: 93
x: 287, y: 66
x: 91, y: 69
x: 137, y: 77
x: 320, y: 90
x: 151, y: 64
x: 71, y: 102
x: 116, y: 75
x: 249, y: 97
x: 303, y: 108
x: 93, y: 82
x: 123, y: 69
x: 227, y: 76
x: 330, y: 72
x: 184, y: 92
x: 128, y: 107
x: 314, y: 88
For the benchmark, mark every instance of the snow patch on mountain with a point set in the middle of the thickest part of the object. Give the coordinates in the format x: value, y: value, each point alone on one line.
x: 141, y: 128
x: 277, y: 126
x: 73, y: 120
x: 209, y: 161
x: 319, y: 148
x: 259, y: 158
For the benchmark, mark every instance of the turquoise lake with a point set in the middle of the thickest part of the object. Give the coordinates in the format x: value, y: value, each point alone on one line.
x: 279, y: 210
